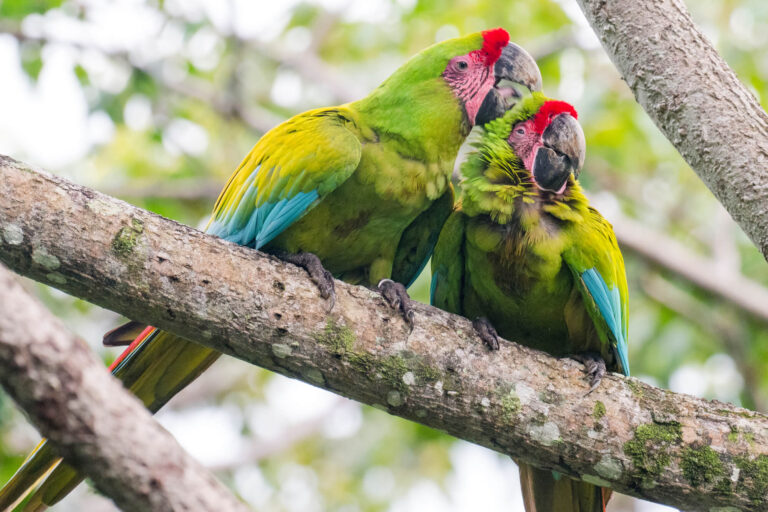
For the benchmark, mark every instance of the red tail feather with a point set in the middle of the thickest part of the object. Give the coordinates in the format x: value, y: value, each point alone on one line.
x: 141, y: 337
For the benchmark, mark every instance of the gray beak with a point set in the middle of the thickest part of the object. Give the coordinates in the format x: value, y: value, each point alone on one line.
x: 562, y: 154
x: 515, y: 66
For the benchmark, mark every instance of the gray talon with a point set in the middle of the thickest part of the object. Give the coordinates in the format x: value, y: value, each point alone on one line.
x: 314, y: 267
x: 594, y: 367
x: 486, y: 332
x: 397, y: 297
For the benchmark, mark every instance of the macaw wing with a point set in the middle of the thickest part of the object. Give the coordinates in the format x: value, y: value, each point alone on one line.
x: 419, y: 239
x: 598, y: 270
x: 286, y: 173
x: 448, y: 265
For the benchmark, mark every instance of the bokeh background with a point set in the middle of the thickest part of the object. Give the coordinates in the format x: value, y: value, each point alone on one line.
x: 157, y: 101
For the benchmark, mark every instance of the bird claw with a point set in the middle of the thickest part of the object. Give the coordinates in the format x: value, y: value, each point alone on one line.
x: 487, y: 332
x: 397, y: 297
x: 319, y: 275
x: 594, y: 367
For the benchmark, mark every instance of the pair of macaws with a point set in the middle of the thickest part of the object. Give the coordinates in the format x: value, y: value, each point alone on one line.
x: 361, y: 192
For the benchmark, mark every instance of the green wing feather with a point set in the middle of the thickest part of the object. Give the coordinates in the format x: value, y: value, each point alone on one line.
x: 598, y: 269
x: 292, y: 168
x: 419, y: 239
x: 448, y: 265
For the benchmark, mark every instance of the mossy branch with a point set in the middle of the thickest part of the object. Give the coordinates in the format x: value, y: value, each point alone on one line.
x: 640, y: 440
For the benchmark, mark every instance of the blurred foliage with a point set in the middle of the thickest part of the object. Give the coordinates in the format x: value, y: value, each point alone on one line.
x: 174, y: 93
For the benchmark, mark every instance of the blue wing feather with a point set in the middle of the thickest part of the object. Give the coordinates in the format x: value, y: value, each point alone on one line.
x: 608, y: 303
x: 433, y: 286
x: 282, y: 214
x: 255, y: 227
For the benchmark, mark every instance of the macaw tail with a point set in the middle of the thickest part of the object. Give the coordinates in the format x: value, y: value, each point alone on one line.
x: 545, y: 491
x: 155, y: 367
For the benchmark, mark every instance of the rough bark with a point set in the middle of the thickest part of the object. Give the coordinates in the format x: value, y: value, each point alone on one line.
x: 696, y: 100
x: 98, y: 426
x: 641, y: 440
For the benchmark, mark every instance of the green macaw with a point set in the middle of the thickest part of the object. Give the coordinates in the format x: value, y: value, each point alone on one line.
x: 358, y: 192
x: 526, y: 255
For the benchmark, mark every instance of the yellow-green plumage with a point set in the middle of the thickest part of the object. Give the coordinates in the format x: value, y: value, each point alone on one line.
x: 522, y: 274
x: 369, y: 169
x: 344, y: 183
x: 533, y: 263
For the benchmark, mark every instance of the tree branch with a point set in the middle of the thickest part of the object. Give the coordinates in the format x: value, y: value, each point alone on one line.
x: 695, y: 99
x: 640, y: 440
x: 94, y: 423
x: 734, y: 335
x: 664, y: 252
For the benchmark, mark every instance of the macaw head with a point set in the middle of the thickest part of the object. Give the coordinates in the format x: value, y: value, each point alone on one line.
x: 483, y: 72
x: 484, y: 79
x: 530, y: 156
x: 549, y: 142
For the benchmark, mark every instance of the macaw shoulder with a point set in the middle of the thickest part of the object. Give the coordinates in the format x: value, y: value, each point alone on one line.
x: 318, y: 139
x: 314, y: 150
x: 287, y: 172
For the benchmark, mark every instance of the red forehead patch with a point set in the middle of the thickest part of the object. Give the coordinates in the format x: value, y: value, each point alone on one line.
x: 494, y: 41
x: 549, y: 110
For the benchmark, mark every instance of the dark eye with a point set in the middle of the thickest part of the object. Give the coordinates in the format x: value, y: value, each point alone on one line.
x: 520, y: 131
x: 462, y: 65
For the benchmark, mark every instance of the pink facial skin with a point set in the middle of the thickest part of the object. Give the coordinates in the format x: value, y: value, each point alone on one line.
x: 470, y: 78
x: 525, y: 142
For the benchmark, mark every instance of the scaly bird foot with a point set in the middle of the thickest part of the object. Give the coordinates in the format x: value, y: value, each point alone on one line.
x: 594, y: 368
x: 397, y: 297
x: 314, y: 267
x: 486, y: 332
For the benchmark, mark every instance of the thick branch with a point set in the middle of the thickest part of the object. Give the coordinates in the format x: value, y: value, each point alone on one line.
x: 641, y: 440
x: 693, y: 96
x: 95, y: 424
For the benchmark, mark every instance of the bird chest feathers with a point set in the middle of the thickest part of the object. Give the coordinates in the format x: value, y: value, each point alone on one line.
x: 411, y: 182
x: 523, y: 256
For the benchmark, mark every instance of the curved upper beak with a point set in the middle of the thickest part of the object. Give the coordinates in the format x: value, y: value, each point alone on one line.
x: 561, y: 155
x: 515, y: 66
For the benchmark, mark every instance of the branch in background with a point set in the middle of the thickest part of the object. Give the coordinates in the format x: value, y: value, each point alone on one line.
x: 221, y: 378
x: 99, y: 427
x: 733, y: 334
x: 257, y: 118
x: 640, y: 440
x: 696, y: 100
x: 722, y: 242
x: 292, y: 435
x: 553, y: 43
x: 705, y: 273
x: 181, y: 190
